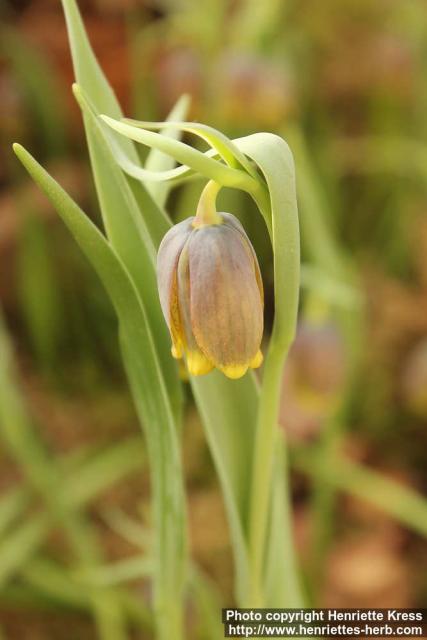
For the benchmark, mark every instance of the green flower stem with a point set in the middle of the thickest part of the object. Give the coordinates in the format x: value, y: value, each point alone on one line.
x: 206, y: 210
x: 264, y: 458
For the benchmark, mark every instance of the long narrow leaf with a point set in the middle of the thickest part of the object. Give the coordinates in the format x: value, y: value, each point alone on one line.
x: 34, y: 531
x: 26, y: 447
x: 153, y: 403
x: 274, y: 159
x: 183, y: 153
x: 225, y: 147
x: 127, y: 230
x: 228, y: 410
x: 157, y: 161
x: 89, y: 74
x: 401, y: 502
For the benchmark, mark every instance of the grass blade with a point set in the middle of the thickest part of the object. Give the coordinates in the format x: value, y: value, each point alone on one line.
x: 402, y: 503
x: 27, y: 449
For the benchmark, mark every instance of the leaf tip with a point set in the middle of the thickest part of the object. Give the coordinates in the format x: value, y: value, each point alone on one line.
x: 184, y: 101
x: 18, y: 149
x: 23, y: 155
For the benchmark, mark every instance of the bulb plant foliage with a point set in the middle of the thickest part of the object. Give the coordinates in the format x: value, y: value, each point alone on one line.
x: 211, y: 296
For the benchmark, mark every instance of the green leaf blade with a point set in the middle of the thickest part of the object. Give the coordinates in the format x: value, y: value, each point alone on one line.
x: 157, y: 161
x: 129, y: 234
x: 149, y: 388
x: 89, y: 73
x: 184, y: 154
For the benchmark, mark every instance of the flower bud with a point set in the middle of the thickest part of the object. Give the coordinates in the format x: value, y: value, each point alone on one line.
x: 211, y: 294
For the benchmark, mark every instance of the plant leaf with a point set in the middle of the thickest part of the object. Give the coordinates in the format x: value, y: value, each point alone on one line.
x: 29, y: 451
x: 175, y: 176
x: 89, y: 74
x: 157, y: 161
x: 274, y: 159
x: 281, y: 580
x: 129, y: 235
x: 228, y: 410
x: 407, y: 505
x: 153, y: 403
x: 184, y: 154
x: 93, y: 82
x: 225, y: 147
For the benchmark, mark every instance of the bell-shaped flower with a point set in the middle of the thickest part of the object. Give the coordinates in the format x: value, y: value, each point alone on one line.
x: 211, y: 294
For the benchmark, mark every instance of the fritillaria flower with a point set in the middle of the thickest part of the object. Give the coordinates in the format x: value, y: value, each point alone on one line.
x: 212, y: 295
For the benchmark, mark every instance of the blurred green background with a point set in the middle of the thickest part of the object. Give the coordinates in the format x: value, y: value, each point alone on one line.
x: 345, y: 82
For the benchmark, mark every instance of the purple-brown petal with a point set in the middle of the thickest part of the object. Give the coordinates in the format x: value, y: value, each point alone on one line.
x: 225, y: 302
x: 197, y: 362
x: 167, y: 262
x: 235, y: 223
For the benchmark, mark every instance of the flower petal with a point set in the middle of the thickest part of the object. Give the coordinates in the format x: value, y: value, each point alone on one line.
x: 234, y: 371
x: 235, y: 223
x: 225, y: 303
x: 167, y: 262
x: 257, y: 361
x: 197, y: 363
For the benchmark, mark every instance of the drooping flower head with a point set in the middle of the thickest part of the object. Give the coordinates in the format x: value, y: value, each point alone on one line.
x: 211, y: 294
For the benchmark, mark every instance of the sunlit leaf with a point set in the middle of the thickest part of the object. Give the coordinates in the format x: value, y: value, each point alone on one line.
x: 183, y: 153
x: 157, y: 161
x: 129, y: 234
x: 89, y: 74
x: 225, y: 147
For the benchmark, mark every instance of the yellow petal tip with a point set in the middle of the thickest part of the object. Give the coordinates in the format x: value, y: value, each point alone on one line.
x: 235, y: 371
x: 257, y: 361
x: 176, y: 351
x: 198, y: 364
